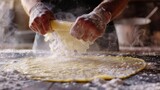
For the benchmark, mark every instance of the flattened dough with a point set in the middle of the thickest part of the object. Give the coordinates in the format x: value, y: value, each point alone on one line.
x: 78, y: 69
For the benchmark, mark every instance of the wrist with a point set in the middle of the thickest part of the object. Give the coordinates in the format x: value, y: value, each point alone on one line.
x: 38, y: 7
x: 103, y: 14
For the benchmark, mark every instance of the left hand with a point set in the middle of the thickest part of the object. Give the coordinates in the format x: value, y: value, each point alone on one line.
x: 90, y: 26
x: 40, y: 18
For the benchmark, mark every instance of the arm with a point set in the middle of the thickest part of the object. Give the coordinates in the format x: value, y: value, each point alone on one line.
x: 39, y: 15
x: 115, y: 7
x: 28, y: 4
x: 91, y: 26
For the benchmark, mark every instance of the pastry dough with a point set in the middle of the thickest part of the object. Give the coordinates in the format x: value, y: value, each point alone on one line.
x: 61, y: 40
x: 79, y: 69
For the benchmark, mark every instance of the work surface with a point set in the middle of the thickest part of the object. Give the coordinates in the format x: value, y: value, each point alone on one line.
x: 148, y: 79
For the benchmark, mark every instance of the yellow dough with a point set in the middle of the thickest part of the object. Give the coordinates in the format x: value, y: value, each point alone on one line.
x: 79, y: 69
x: 62, y: 41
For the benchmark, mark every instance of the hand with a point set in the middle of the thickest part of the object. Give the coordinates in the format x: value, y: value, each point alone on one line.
x: 40, y: 18
x: 90, y: 26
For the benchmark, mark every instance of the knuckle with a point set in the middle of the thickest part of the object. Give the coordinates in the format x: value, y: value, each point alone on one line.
x: 32, y: 28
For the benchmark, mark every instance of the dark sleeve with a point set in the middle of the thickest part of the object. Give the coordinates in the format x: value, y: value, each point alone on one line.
x: 50, y: 1
x: 45, y: 0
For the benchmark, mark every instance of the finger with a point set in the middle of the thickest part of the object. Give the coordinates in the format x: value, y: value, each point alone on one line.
x: 45, y: 24
x: 76, y: 35
x: 38, y: 25
x: 33, y: 27
x: 49, y: 23
x: 93, y: 33
x: 94, y: 38
x: 41, y: 30
x: 49, y: 20
x: 91, y: 36
x: 88, y: 32
x: 85, y: 37
x: 77, y: 31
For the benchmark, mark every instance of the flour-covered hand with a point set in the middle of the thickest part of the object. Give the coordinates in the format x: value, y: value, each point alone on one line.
x: 40, y: 18
x: 90, y: 26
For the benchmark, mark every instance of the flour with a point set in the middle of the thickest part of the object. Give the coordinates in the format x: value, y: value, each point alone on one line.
x: 13, y: 80
x: 62, y: 43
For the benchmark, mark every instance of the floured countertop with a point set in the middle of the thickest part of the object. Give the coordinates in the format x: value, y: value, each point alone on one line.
x: 148, y: 79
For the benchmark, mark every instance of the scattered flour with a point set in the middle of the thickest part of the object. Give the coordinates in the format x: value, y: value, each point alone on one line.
x: 62, y: 43
x: 13, y: 80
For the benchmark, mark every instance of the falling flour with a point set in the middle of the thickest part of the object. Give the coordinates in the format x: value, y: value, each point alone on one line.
x: 62, y: 43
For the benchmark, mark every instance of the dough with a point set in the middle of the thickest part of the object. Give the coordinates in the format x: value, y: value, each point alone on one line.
x: 61, y: 41
x: 79, y: 69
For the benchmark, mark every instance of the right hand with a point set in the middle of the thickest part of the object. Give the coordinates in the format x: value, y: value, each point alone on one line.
x: 90, y: 27
x: 40, y: 18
